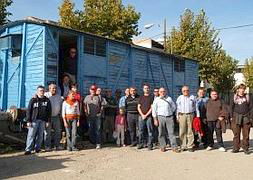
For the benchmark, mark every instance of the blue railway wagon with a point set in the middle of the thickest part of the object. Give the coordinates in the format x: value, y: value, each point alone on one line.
x: 32, y: 52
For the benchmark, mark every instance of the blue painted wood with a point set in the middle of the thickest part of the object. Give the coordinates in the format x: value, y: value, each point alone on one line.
x: 123, y: 66
x: 4, y: 79
x: 21, y: 93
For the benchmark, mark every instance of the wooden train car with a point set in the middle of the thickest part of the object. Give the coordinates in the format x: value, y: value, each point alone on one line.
x: 32, y: 52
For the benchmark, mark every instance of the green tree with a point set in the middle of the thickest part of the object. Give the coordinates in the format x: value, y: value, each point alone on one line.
x: 109, y: 18
x: 223, y: 80
x: 196, y: 38
x: 248, y: 72
x: 4, y: 13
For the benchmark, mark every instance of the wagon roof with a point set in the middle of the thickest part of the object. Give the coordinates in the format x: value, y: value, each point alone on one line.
x: 45, y: 23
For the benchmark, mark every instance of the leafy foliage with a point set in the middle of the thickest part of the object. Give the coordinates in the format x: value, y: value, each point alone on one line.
x: 3, y: 11
x: 109, y: 18
x: 196, y: 38
x: 248, y: 72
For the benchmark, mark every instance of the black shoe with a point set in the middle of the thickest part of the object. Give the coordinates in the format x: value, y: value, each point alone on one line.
x: 191, y: 150
x: 246, y: 152
x: 69, y: 149
x: 38, y: 151
x: 235, y: 151
x: 139, y: 146
x: 27, y: 153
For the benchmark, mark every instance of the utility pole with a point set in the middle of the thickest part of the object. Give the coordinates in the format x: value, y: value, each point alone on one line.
x: 165, y: 41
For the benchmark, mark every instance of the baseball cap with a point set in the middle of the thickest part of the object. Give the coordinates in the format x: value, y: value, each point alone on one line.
x: 93, y: 87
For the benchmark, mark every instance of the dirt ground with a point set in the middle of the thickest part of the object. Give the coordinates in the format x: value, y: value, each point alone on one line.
x: 129, y: 163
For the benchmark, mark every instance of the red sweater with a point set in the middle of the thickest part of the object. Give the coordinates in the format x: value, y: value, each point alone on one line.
x: 120, y: 120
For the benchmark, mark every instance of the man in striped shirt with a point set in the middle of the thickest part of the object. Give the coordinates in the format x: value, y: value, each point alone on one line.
x: 186, y: 107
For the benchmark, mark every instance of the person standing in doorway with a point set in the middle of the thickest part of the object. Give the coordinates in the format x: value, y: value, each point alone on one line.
x: 65, y: 86
x: 70, y: 65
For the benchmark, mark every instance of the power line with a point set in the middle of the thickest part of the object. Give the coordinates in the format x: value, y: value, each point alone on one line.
x: 218, y: 29
x: 235, y: 27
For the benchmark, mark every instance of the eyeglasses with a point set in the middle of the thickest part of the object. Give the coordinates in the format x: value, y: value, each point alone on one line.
x: 73, y: 52
x: 156, y: 91
x: 185, y: 90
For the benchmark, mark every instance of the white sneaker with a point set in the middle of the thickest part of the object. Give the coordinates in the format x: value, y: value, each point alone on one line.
x: 209, y: 148
x: 98, y: 146
x: 222, y: 149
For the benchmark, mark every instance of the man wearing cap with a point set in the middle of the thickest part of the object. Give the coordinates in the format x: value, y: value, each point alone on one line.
x: 93, y: 107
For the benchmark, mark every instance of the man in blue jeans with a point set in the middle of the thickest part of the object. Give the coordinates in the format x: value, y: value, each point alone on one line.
x: 93, y: 107
x: 56, y: 103
x: 38, y: 116
x: 145, y: 120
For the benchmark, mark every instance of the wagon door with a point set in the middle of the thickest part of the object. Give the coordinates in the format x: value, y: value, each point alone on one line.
x: 10, y: 70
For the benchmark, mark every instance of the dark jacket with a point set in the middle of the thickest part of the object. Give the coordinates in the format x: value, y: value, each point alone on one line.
x: 39, y: 108
x: 131, y: 104
x: 241, y: 113
x: 215, y: 109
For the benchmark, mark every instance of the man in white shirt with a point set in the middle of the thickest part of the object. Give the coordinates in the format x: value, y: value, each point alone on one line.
x: 162, y: 111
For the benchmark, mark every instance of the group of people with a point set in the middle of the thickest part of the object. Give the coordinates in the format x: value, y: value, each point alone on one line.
x: 143, y: 121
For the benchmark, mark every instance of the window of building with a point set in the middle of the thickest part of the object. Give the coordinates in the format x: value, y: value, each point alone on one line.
x: 16, y: 44
x: 89, y: 45
x: 95, y: 46
x: 179, y: 65
x: 101, y: 47
x: 13, y: 42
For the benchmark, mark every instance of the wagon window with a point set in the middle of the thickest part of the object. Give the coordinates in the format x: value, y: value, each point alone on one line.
x: 16, y: 42
x: 12, y: 42
x: 100, y: 47
x: 89, y: 45
x: 179, y: 65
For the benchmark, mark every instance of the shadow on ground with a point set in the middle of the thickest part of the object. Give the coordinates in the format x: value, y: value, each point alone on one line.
x: 21, y: 165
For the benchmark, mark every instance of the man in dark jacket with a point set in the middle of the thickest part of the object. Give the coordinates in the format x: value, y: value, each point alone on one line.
x: 38, y: 116
x: 132, y: 114
x: 110, y: 114
x: 241, y: 116
x: 215, y: 116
